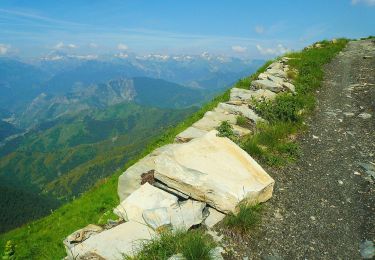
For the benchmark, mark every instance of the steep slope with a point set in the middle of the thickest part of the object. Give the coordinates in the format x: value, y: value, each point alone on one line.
x: 66, y: 157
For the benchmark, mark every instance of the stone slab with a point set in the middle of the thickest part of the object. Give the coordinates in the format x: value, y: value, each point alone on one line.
x: 267, y: 84
x: 241, y: 110
x: 189, y: 133
x: 214, y: 170
x: 111, y: 244
x: 144, y: 198
x: 246, y: 96
x: 130, y: 180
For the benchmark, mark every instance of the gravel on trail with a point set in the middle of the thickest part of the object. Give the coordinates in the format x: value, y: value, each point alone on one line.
x: 323, y: 205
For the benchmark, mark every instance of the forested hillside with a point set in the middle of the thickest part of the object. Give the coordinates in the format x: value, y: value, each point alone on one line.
x: 65, y: 157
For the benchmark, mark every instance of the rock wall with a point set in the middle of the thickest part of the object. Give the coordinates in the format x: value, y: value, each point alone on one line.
x: 196, y: 180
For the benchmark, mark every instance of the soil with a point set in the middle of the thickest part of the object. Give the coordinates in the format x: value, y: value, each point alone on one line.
x: 323, y: 205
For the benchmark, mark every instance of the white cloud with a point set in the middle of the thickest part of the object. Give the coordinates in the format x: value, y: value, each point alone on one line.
x: 366, y: 2
x: 84, y: 57
x: 239, y: 49
x: 259, y: 29
x: 4, y: 49
x: 61, y: 45
x: 278, y: 50
x: 122, y: 55
x: 122, y: 47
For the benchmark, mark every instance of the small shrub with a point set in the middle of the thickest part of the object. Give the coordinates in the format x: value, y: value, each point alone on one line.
x: 225, y: 130
x: 246, y: 218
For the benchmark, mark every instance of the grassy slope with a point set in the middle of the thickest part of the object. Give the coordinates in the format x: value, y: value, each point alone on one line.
x: 42, y: 239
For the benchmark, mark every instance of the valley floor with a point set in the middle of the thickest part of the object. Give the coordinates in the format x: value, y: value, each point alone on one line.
x: 323, y: 205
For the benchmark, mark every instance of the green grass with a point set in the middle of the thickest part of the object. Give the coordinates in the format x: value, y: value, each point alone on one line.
x: 273, y: 143
x: 193, y: 245
x: 245, y: 219
x: 243, y: 122
x: 225, y: 130
x: 42, y: 239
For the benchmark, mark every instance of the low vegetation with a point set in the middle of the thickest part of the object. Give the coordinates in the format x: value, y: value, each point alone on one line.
x: 245, y: 219
x: 225, y: 130
x: 274, y: 143
x: 193, y: 245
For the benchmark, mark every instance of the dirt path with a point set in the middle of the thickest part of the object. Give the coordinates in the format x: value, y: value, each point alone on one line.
x: 322, y: 208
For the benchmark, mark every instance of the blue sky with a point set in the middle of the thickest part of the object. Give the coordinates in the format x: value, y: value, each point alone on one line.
x: 236, y: 28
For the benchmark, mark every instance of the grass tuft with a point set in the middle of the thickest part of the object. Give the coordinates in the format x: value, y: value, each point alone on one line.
x: 225, y: 130
x: 245, y: 219
x: 243, y: 122
x: 193, y: 245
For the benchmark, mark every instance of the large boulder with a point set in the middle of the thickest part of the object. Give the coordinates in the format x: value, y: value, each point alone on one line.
x: 131, y: 179
x: 144, y: 198
x: 124, y: 239
x: 214, y: 170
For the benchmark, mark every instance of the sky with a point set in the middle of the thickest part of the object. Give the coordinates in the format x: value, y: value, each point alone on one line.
x: 243, y: 28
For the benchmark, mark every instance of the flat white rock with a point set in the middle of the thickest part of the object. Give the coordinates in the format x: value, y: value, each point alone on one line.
x: 275, y: 79
x: 241, y: 110
x: 212, y: 119
x: 213, y: 218
x: 214, y: 170
x: 111, y: 244
x: 277, y: 73
x: 267, y: 84
x: 145, y: 197
x: 130, y: 180
x: 189, y: 133
x: 180, y: 216
x: 246, y: 96
x: 289, y: 86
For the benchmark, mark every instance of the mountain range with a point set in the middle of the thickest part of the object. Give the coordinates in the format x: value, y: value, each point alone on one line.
x: 67, y: 122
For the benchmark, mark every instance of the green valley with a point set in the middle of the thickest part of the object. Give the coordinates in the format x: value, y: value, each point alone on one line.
x: 66, y: 157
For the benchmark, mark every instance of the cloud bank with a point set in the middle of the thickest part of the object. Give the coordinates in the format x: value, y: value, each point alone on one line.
x: 278, y: 50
